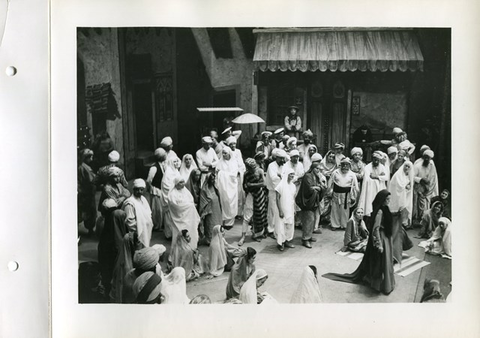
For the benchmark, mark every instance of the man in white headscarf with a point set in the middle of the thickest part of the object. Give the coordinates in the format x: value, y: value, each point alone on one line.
x: 206, y: 158
x: 238, y: 157
x: 167, y: 144
x: 426, y: 184
x: 307, y: 140
x: 273, y: 178
x: 138, y: 212
x: 374, y: 180
x: 357, y: 165
x: 102, y: 173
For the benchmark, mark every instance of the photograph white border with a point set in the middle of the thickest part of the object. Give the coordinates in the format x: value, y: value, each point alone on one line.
x: 69, y: 319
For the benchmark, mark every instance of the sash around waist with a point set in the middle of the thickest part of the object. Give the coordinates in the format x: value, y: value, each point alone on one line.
x: 339, y: 189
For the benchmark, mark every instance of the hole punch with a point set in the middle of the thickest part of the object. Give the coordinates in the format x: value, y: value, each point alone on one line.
x: 12, y: 266
x: 11, y: 71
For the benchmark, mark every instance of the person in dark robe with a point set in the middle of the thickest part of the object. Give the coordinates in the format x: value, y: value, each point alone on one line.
x: 308, y: 199
x: 444, y: 197
x: 376, y: 268
x: 86, y: 191
x: 193, y: 185
x: 241, y: 272
x: 209, y: 208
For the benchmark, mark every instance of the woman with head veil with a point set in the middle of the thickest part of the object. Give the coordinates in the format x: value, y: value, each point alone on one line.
x: 174, y: 287
x: 307, y: 158
x: 183, y: 212
x: 430, y: 219
x: 188, y: 164
x: 192, y: 183
x: 241, y: 271
x: 376, y: 268
x: 227, y: 183
x: 249, y: 292
x: 209, y: 206
x: 308, y: 290
x: 171, y: 172
x: 401, y: 206
x: 441, y: 241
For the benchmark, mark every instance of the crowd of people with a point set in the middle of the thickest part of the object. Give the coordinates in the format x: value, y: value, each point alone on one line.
x: 195, y: 199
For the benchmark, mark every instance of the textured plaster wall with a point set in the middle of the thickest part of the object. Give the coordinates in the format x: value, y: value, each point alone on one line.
x: 99, y: 54
x: 237, y: 71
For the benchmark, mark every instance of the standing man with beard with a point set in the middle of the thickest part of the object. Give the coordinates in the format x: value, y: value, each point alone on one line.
x: 307, y: 140
x: 426, y: 184
x: 374, y: 180
x: 343, y: 186
x: 273, y: 178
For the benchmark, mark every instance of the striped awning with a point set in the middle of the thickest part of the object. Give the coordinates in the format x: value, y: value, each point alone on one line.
x: 337, y: 50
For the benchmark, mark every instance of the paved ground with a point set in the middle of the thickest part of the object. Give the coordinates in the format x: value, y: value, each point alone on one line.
x: 285, y: 268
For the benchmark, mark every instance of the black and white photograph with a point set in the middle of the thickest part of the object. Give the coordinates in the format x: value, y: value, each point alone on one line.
x: 263, y: 165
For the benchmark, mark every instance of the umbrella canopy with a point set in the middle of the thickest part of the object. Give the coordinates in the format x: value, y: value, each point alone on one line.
x: 248, y: 118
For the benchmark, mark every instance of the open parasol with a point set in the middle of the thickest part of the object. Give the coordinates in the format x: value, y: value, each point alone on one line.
x: 248, y: 118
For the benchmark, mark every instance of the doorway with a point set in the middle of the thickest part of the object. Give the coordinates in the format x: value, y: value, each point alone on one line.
x: 143, y: 112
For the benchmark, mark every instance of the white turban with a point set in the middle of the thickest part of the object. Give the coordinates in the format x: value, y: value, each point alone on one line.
x: 278, y: 131
x: 230, y: 140
x: 237, y: 133
x: 139, y: 183
x: 113, y: 156
x: 377, y: 154
x: 392, y: 150
x: 281, y: 153
x: 160, y: 249
x: 397, y: 130
x: 166, y: 141
x: 429, y: 153
x: 160, y: 153
x: 316, y: 157
x: 291, y: 140
x: 294, y: 152
x: 207, y: 139
x: 356, y: 150
x: 423, y: 148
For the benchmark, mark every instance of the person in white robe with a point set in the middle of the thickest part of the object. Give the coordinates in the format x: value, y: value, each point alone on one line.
x: 174, y: 287
x: 343, y: 187
x: 167, y: 144
x: 138, y: 213
x: 171, y: 173
x: 374, y: 180
x: 238, y: 157
x: 272, y: 179
x: 227, y: 184
x: 183, y: 212
x: 441, y: 241
x: 296, y: 166
x: 308, y: 290
x: 285, y: 218
x: 206, y: 158
x: 249, y: 292
x: 401, y: 192
x: 188, y: 164
x: 426, y: 184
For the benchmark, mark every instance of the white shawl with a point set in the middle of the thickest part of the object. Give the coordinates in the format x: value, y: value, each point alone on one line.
x: 174, y: 287
x: 248, y: 292
x: 184, y: 214
x: 308, y: 290
x: 401, y: 197
x: 227, y: 184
